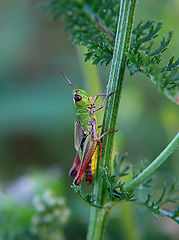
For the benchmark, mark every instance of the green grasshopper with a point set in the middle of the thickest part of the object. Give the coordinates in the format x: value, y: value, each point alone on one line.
x: 86, y: 134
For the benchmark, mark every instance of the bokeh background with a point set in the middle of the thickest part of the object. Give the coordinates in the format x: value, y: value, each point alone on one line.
x: 36, y: 120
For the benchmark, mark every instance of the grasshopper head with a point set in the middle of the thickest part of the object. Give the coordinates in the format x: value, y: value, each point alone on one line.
x: 82, y: 98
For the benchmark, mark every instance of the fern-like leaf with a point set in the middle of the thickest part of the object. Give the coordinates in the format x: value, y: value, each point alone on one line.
x: 142, y: 58
x: 115, y: 188
x: 157, y: 207
x: 90, y: 23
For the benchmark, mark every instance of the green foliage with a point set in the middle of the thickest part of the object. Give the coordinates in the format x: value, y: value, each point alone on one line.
x: 117, y: 192
x: 90, y: 23
x: 93, y: 24
x: 143, y: 58
x: 116, y: 188
x: 168, y: 195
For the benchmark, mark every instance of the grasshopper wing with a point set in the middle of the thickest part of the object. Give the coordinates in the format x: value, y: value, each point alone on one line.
x: 79, y: 135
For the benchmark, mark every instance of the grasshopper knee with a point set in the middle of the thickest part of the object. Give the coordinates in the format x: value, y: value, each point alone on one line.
x: 77, y: 181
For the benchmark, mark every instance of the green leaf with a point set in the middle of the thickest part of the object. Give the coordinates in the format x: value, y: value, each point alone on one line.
x: 167, y: 195
x: 142, y: 58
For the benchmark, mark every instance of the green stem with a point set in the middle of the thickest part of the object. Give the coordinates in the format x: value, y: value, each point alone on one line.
x: 154, y: 165
x: 98, y: 217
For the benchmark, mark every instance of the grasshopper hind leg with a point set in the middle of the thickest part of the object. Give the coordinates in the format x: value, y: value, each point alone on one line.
x: 89, y: 150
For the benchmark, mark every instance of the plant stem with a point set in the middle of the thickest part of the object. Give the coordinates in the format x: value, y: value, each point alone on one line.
x: 98, y: 217
x: 154, y: 165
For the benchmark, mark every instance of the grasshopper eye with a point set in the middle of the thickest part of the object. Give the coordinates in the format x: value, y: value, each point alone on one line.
x: 77, y: 98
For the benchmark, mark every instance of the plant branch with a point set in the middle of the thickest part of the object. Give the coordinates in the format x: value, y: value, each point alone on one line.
x: 154, y: 165
x: 99, y: 217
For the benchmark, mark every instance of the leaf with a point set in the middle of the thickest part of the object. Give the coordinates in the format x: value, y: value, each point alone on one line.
x: 163, y: 45
x: 116, y: 188
x: 166, y: 196
x: 142, y: 58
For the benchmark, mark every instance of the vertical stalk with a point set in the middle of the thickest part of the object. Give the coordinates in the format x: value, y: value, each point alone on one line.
x: 98, y: 217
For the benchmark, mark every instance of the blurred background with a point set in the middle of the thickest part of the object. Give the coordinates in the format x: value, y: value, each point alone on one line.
x: 36, y: 120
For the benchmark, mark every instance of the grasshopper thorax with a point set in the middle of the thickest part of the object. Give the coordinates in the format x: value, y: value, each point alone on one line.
x: 82, y: 98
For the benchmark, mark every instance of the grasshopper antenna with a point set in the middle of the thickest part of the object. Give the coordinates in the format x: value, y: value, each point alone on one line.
x: 66, y: 78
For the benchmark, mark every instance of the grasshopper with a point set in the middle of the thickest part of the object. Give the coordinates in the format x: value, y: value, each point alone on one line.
x: 86, y: 134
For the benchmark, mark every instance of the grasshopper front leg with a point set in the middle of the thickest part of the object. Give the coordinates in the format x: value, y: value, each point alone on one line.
x: 102, y: 105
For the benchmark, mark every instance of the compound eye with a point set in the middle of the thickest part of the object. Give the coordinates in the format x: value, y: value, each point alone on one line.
x: 77, y: 98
